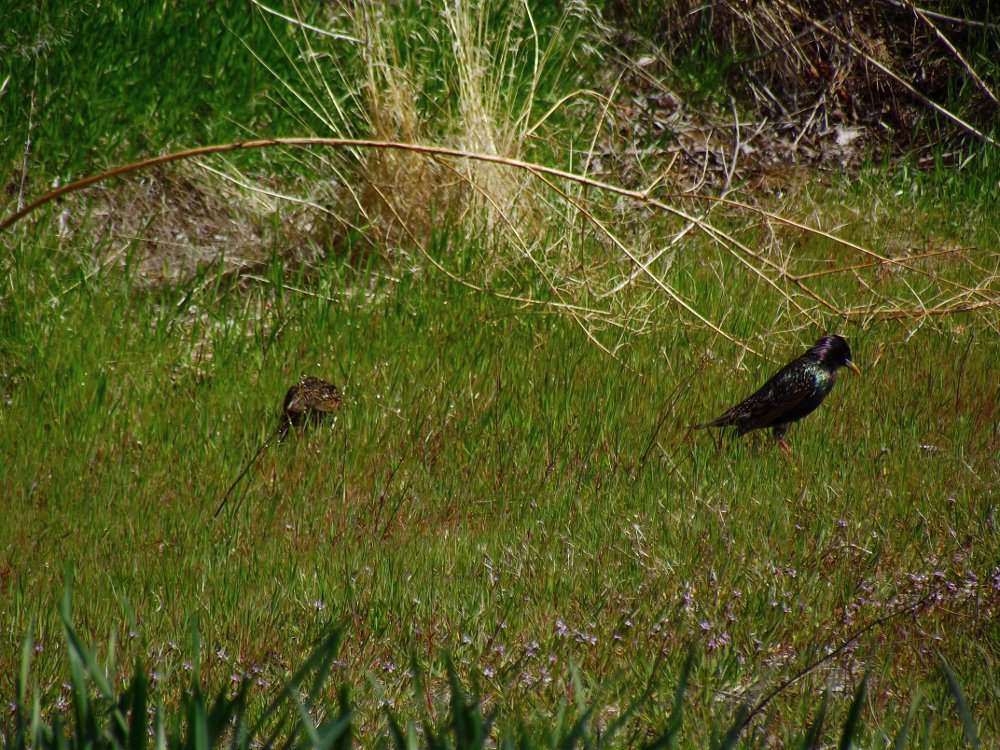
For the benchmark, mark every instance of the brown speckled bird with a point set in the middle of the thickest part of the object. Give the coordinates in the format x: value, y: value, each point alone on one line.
x: 307, y: 400
x: 792, y: 393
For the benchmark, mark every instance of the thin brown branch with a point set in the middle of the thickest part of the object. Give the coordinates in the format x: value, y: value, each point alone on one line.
x: 872, y: 264
x: 545, y: 172
x: 813, y: 666
x: 635, y: 259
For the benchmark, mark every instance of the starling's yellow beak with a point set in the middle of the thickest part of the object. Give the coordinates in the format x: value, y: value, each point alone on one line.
x: 854, y: 367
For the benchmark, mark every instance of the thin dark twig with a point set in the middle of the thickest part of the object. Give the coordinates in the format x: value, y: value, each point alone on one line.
x: 809, y: 669
x: 671, y: 402
x: 249, y: 465
x: 961, y: 370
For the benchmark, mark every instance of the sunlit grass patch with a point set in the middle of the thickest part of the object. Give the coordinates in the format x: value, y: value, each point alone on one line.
x: 512, y: 479
x: 492, y: 483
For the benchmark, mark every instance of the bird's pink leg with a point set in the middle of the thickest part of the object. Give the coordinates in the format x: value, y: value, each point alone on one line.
x: 784, y: 447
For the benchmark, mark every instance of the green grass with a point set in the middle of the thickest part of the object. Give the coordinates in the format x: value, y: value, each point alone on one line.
x: 170, y: 71
x: 484, y: 491
x: 497, y: 487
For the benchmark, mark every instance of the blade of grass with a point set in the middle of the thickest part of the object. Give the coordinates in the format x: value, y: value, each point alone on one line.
x: 968, y: 725
x: 853, y: 715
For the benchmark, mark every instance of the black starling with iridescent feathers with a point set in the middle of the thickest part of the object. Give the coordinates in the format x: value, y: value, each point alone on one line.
x: 792, y: 393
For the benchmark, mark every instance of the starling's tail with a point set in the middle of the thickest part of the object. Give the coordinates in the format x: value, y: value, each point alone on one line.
x: 721, y: 421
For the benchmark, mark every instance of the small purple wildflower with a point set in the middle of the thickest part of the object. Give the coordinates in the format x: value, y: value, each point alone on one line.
x: 687, y: 598
x: 720, y: 641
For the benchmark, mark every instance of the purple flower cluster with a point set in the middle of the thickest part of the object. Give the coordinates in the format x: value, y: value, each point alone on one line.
x: 580, y: 636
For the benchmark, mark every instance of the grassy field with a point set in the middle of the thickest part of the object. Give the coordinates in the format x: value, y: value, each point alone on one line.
x: 496, y: 487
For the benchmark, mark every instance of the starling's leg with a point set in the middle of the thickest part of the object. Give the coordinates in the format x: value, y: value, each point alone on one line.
x: 779, y: 435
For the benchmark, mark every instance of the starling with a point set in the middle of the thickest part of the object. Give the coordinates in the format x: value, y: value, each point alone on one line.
x: 792, y: 393
x: 309, y: 399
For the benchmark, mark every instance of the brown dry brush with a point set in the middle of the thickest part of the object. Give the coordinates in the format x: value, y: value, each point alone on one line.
x: 883, y: 65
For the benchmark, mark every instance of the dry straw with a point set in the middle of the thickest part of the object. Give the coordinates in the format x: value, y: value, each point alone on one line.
x: 964, y: 299
x: 390, y: 183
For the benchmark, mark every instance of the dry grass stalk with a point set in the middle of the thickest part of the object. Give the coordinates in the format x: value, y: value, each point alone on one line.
x: 930, y: 301
x: 402, y: 188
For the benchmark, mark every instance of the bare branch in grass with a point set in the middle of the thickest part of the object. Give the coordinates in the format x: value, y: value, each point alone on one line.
x: 669, y: 291
x: 302, y: 25
x: 755, y: 262
x: 918, y: 605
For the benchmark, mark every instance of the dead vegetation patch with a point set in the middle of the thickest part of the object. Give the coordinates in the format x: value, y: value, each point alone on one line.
x: 824, y: 75
x: 168, y: 223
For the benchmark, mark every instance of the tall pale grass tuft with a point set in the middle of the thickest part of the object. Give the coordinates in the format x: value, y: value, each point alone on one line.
x: 458, y: 74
